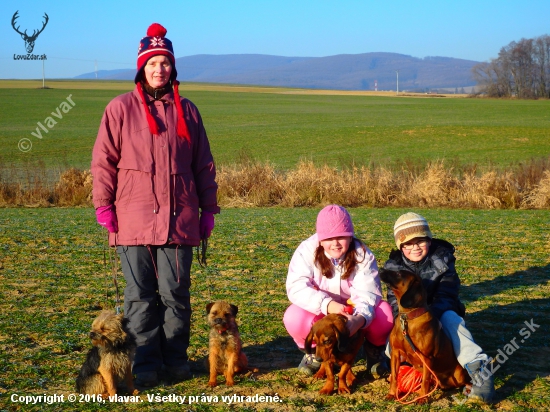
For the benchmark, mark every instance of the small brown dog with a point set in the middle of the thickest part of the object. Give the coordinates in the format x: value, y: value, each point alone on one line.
x: 225, y: 347
x: 334, y: 345
x: 416, y: 325
x: 110, y: 360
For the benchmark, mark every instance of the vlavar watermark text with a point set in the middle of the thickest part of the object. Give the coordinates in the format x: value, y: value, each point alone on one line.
x: 25, y: 144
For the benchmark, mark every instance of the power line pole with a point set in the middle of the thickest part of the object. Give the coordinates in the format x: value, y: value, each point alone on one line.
x: 397, y: 72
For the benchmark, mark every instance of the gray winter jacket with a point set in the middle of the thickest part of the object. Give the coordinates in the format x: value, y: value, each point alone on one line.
x: 438, y: 274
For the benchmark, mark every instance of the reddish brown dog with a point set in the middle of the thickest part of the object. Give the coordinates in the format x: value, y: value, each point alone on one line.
x: 225, y: 347
x: 334, y: 346
x: 425, y: 333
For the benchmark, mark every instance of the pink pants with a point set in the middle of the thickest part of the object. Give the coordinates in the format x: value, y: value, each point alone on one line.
x: 298, y: 323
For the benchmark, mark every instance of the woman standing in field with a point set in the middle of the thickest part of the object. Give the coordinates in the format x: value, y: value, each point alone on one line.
x: 328, y: 273
x: 153, y: 176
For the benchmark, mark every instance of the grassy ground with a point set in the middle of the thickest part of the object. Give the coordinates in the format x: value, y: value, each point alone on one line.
x: 285, y: 125
x: 54, y: 282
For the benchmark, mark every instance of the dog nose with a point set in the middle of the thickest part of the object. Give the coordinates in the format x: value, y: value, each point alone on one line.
x: 217, y: 321
x: 93, y: 335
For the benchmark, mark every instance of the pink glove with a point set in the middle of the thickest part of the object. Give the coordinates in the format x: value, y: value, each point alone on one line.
x: 106, y: 217
x: 206, y: 224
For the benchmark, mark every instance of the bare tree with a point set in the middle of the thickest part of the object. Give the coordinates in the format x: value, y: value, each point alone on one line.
x: 522, y: 69
x: 542, y: 65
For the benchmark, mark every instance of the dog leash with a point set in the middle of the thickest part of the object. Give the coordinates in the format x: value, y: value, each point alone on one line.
x: 112, y: 262
x: 409, y: 377
x: 201, y: 252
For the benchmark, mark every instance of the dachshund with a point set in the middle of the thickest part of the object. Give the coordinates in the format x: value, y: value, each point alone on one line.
x: 334, y: 345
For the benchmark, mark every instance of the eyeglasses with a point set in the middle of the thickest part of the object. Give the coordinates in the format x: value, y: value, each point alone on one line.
x: 410, y: 246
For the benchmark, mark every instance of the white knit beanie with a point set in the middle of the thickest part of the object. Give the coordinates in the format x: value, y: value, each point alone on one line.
x: 409, y: 226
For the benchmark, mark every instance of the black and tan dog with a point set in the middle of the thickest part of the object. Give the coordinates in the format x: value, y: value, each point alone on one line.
x: 416, y: 325
x: 109, y: 362
x: 334, y: 346
x: 225, y: 354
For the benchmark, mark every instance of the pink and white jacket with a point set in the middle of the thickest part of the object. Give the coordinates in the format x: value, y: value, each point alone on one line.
x: 307, y: 288
x: 157, y: 183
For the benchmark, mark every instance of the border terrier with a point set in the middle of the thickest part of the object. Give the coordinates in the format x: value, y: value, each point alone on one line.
x: 109, y: 362
x: 225, y: 347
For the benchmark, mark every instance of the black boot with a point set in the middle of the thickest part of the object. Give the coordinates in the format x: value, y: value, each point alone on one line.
x: 376, y: 360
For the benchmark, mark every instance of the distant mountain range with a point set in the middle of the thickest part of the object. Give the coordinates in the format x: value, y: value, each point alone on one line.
x: 342, y: 72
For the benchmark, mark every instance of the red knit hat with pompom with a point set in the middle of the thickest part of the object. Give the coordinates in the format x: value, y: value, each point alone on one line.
x: 155, y: 44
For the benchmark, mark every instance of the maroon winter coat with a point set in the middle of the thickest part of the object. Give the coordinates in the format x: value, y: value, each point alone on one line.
x: 157, y: 183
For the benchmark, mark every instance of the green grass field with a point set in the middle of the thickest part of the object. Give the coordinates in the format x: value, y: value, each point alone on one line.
x: 283, y: 126
x: 54, y: 282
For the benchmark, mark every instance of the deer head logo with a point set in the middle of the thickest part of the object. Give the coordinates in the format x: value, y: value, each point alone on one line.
x: 29, y: 40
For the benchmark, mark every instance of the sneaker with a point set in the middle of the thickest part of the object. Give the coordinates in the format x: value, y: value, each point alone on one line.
x: 179, y: 373
x: 483, y: 381
x: 309, y: 365
x: 380, y: 370
x: 376, y: 360
x: 147, y: 379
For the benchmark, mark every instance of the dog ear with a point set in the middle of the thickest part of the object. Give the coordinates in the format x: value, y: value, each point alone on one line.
x: 341, y: 338
x: 234, y: 309
x: 309, y: 341
x: 384, y: 275
x: 387, y: 276
x: 209, y: 306
x: 412, y: 298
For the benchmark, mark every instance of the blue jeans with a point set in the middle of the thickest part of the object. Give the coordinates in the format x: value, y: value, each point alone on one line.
x: 464, y: 347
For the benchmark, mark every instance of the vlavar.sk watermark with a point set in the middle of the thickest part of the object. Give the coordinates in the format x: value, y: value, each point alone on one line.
x: 25, y: 144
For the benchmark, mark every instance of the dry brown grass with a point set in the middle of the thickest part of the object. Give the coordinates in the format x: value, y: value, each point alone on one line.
x: 252, y: 184
x: 34, y: 188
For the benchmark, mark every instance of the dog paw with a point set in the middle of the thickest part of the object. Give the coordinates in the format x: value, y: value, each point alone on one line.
x: 326, y: 390
x: 390, y: 397
x: 212, y: 383
x: 135, y: 392
x: 320, y: 375
x: 342, y: 390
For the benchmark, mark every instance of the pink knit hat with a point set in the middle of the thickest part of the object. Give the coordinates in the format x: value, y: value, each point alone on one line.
x: 334, y: 221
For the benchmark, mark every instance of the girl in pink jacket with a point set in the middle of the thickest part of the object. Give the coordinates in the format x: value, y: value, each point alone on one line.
x: 334, y: 272
x: 155, y: 191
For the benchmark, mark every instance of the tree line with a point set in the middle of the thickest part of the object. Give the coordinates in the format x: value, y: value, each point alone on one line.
x: 522, y: 70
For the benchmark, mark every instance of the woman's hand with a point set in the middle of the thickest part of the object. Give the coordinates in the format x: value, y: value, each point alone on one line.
x: 106, y: 217
x: 206, y: 224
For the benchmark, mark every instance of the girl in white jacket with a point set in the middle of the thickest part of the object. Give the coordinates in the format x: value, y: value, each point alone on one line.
x: 334, y: 272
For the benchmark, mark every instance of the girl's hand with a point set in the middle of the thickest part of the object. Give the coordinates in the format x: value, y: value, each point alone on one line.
x: 335, y: 307
x: 354, y: 323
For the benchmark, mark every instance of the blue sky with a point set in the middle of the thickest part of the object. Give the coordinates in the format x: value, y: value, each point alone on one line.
x: 79, y: 34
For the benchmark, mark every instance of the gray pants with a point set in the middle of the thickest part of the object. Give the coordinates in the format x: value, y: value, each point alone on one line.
x: 157, y: 303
